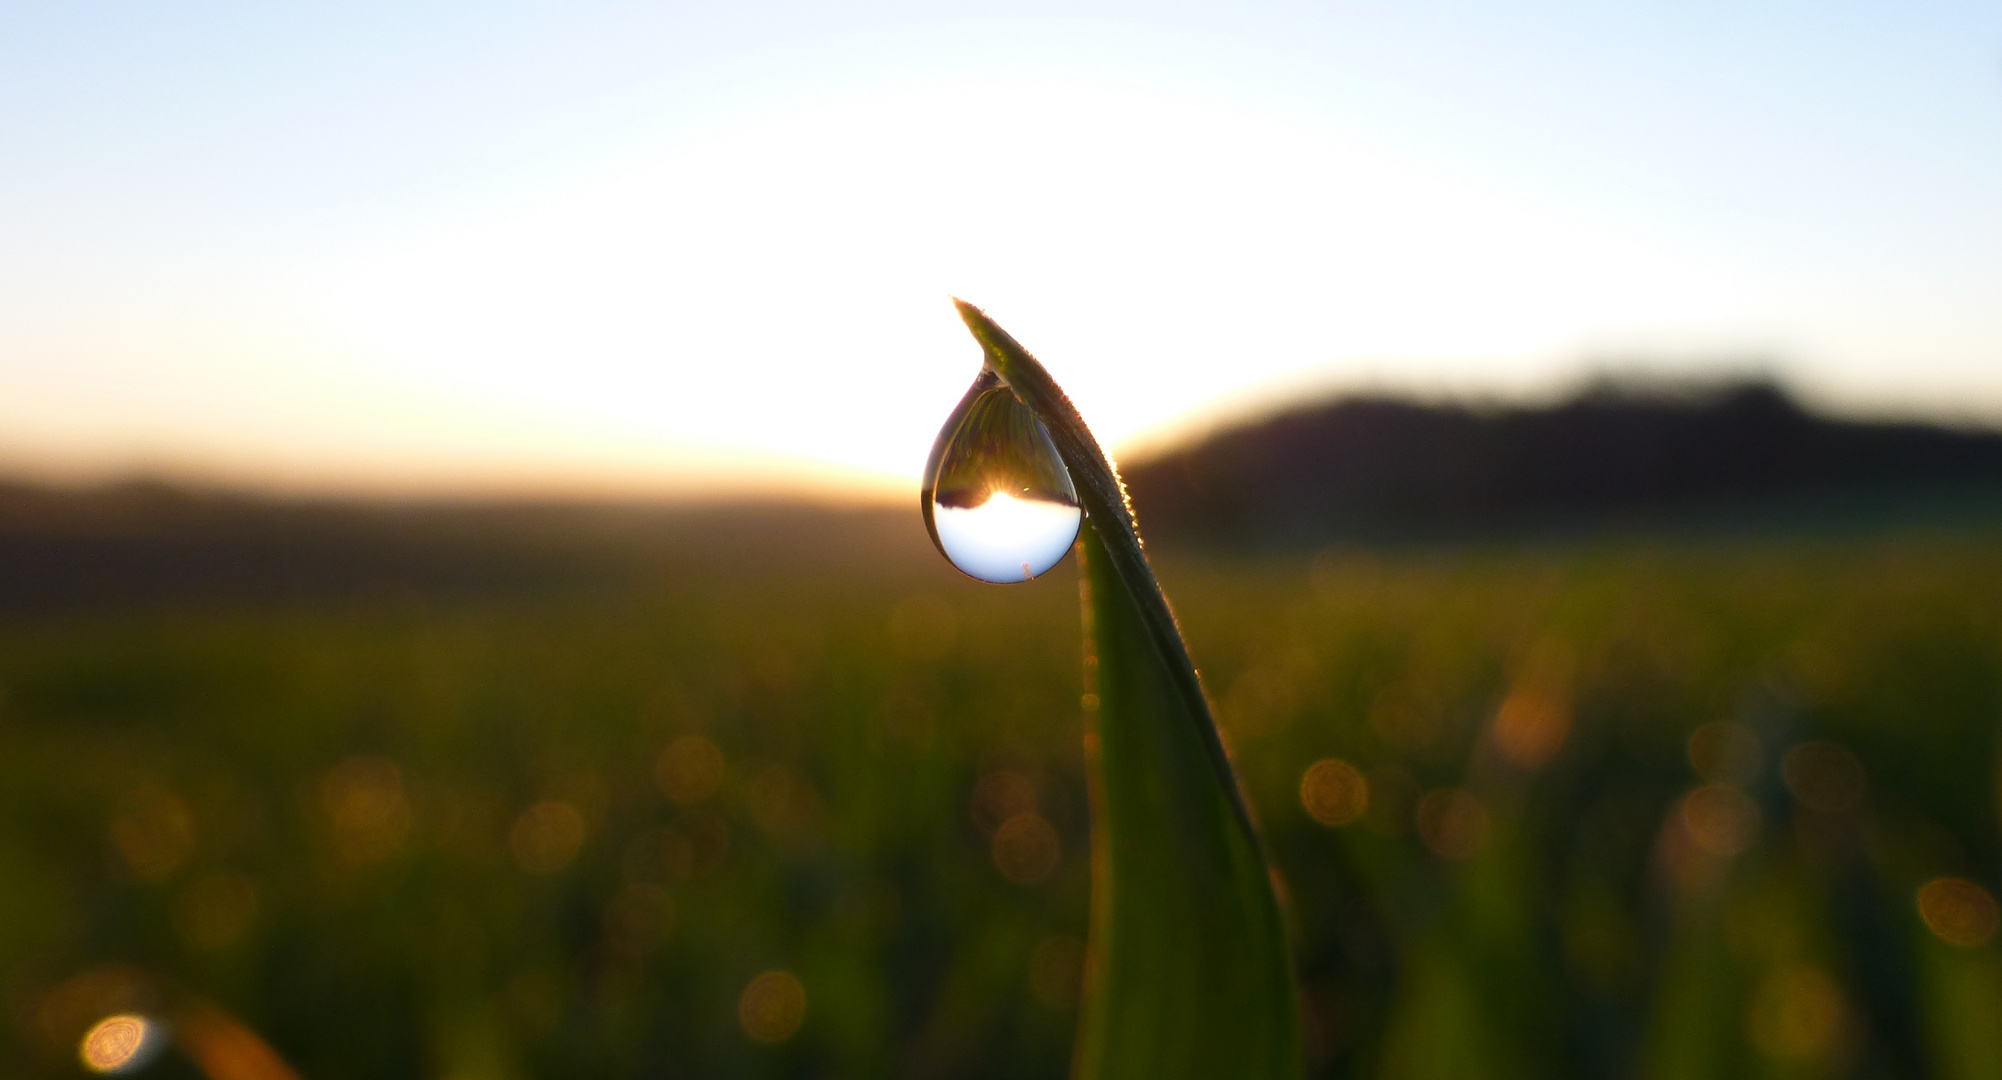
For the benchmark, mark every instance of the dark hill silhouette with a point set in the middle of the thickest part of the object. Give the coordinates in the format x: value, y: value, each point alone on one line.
x: 1379, y: 468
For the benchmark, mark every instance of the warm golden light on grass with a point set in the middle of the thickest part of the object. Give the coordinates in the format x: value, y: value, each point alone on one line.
x: 1591, y: 899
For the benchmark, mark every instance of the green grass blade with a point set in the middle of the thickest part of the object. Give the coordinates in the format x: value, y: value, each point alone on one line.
x: 1190, y: 974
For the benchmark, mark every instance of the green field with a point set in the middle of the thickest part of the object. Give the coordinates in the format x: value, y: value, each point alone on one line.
x: 1635, y: 808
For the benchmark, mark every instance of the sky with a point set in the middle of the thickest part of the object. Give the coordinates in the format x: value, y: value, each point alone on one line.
x: 706, y: 249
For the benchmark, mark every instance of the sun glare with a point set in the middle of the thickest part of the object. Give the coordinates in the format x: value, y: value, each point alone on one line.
x: 773, y: 283
x: 694, y: 249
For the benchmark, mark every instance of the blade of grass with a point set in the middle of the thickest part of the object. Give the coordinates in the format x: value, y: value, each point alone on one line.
x: 1189, y: 972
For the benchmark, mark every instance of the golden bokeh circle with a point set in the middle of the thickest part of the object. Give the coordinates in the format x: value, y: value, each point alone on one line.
x: 1721, y: 819
x: 1000, y: 795
x: 1334, y: 792
x: 1531, y: 725
x: 1026, y: 849
x: 546, y: 837
x: 772, y: 1006
x: 1958, y: 911
x: 690, y: 770
x: 1452, y: 822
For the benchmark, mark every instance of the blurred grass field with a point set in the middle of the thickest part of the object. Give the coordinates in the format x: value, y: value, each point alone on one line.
x: 783, y: 795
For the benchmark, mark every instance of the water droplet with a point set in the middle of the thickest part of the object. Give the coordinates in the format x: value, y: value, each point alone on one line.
x: 997, y: 499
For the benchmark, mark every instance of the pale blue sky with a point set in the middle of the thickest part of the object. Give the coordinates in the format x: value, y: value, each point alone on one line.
x: 676, y: 247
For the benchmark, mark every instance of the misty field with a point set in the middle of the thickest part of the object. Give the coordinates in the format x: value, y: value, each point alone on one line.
x: 800, y: 801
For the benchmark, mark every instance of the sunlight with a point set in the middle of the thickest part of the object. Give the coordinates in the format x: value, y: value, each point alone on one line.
x: 774, y: 284
x: 700, y: 250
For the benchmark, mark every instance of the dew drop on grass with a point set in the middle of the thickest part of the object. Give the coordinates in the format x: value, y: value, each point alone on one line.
x: 997, y: 499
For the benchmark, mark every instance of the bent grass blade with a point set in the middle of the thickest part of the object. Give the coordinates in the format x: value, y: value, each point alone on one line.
x: 1189, y: 973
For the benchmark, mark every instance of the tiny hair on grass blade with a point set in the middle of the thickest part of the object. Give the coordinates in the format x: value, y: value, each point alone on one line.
x: 1189, y: 974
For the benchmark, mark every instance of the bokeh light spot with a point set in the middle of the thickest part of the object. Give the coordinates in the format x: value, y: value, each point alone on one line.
x: 1958, y: 911
x: 1026, y: 849
x: 1452, y: 822
x: 690, y: 770
x: 1000, y: 795
x: 224, y: 1048
x: 366, y: 807
x: 772, y: 1007
x: 784, y: 802
x: 694, y: 845
x: 546, y: 837
x: 1721, y: 819
x: 117, y: 1044
x: 1531, y: 725
x: 1334, y: 792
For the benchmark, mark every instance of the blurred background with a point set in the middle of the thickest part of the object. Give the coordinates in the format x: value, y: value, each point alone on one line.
x: 464, y: 612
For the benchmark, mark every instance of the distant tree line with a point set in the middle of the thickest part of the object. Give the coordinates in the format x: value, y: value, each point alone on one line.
x: 1377, y: 467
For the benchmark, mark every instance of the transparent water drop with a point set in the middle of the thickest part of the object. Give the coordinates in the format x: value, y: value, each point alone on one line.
x: 997, y: 499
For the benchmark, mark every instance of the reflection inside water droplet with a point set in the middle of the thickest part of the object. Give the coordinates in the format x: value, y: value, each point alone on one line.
x: 997, y: 499
x: 118, y: 1044
x: 1007, y: 539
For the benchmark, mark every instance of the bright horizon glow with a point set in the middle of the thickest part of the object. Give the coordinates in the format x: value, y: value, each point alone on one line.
x: 610, y: 251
